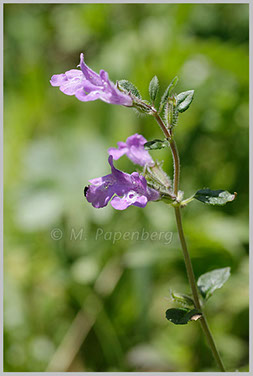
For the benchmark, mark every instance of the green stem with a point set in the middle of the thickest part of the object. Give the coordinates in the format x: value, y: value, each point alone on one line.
x: 187, y: 259
x: 166, y: 131
x: 193, y: 285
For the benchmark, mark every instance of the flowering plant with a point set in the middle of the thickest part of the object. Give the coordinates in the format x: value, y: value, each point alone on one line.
x: 133, y: 188
x: 87, y: 85
x: 152, y: 184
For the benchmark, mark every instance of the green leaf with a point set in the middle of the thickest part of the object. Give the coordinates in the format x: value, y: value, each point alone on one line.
x: 184, y: 100
x: 211, y: 281
x: 155, y: 144
x: 218, y: 197
x: 129, y: 87
x: 185, y: 300
x: 181, y: 316
x: 170, y: 113
x: 153, y: 88
x: 167, y: 92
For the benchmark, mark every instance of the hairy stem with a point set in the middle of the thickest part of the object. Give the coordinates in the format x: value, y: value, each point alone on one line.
x: 187, y: 259
x: 193, y: 285
x: 166, y: 132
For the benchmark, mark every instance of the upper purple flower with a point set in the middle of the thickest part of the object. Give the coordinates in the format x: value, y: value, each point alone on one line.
x: 133, y: 189
x: 134, y: 149
x: 87, y: 85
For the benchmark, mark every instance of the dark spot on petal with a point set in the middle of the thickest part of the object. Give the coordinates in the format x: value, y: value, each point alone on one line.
x: 85, y: 190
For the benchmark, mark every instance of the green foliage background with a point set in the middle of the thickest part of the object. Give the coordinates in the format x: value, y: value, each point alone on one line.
x: 94, y: 304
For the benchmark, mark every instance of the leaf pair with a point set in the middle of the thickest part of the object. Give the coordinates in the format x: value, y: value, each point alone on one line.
x: 129, y: 87
x: 182, y: 100
x: 207, y: 283
x: 181, y: 316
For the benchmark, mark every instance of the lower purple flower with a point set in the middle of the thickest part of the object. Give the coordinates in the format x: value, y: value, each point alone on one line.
x: 87, y: 85
x: 122, y: 188
x: 134, y: 149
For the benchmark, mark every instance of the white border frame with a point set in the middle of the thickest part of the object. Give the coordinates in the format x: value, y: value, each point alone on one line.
x: 250, y: 181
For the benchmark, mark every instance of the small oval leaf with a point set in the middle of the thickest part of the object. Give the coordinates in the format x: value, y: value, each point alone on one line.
x: 211, y: 281
x: 129, y: 87
x: 181, y: 316
x: 167, y: 92
x: 155, y: 144
x: 153, y: 88
x: 218, y: 197
x: 184, y: 100
x: 182, y: 299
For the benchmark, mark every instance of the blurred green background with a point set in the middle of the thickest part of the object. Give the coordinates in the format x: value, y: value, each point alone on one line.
x: 91, y: 303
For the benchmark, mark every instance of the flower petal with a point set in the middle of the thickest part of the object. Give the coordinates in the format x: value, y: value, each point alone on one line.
x: 89, y: 74
x: 74, y: 73
x: 82, y: 96
x: 100, y: 191
x: 70, y: 88
x: 131, y: 198
x: 69, y: 82
x: 87, y: 85
x: 58, y: 79
x: 116, y: 96
x: 98, y: 197
x: 134, y: 149
x: 129, y: 190
x: 117, y: 153
x: 136, y: 152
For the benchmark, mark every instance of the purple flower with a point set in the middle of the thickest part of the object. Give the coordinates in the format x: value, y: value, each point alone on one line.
x: 134, y: 149
x: 87, y: 85
x: 128, y: 190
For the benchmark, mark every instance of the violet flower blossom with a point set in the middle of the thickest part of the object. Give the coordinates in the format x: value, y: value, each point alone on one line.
x: 87, y: 85
x: 134, y: 149
x: 133, y: 189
